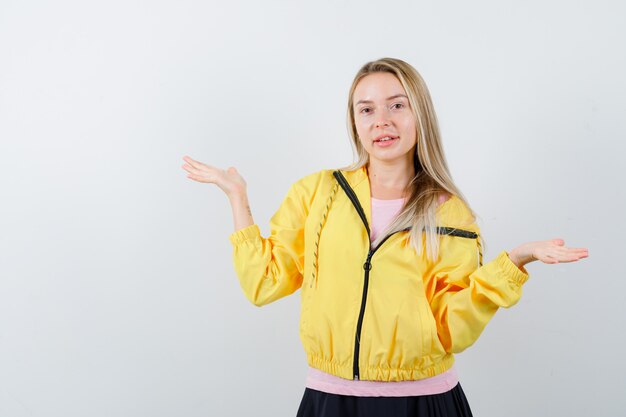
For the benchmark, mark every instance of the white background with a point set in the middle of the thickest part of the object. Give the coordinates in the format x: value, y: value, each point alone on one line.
x: 117, y: 292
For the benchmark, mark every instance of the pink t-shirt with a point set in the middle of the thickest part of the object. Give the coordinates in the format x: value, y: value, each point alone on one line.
x: 383, y: 212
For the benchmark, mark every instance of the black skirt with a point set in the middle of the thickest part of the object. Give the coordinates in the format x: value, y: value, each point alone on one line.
x: 321, y: 404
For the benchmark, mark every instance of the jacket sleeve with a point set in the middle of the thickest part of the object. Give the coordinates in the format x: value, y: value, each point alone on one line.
x: 464, y: 296
x: 271, y: 268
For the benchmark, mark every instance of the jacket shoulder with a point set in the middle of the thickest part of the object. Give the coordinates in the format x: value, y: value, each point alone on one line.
x: 312, y: 183
x: 307, y: 188
x: 456, y: 213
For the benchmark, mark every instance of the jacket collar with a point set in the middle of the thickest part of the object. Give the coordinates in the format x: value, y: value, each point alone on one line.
x: 452, y: 213
x: 360, y: 184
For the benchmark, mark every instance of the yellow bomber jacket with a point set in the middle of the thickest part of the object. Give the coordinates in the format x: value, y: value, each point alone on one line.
x: 380, y: 314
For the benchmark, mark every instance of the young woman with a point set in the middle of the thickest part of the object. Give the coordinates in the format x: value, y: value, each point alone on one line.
x: 388, y: 258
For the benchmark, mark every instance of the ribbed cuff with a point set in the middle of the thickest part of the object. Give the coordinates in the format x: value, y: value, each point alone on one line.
x: 241, y: 235
x: 514, y: 274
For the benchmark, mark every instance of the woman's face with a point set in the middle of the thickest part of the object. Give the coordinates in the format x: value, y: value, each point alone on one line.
x: 382, y: 110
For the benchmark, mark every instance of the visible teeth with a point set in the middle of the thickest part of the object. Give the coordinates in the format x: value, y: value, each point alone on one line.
x: 385, y: 139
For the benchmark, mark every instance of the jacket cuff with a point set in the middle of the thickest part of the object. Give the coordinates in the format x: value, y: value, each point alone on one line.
x: 241, y: 235
x: 515, y: 275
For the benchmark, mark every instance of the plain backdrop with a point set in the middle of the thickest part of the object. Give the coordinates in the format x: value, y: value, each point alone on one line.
x: 118, y: 295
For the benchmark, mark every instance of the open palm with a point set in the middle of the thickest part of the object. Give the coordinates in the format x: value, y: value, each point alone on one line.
x: 229, y: 180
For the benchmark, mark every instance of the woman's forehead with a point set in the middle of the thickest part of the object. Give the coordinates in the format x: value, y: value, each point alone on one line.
x: 381, y: 86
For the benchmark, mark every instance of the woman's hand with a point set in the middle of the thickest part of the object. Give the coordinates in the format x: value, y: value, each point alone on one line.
x: 547, y: 251
x: 230, y: 181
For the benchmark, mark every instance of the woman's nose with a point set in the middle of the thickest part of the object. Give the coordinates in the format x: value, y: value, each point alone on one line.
x: 382, y: 121
x: 382, y: 117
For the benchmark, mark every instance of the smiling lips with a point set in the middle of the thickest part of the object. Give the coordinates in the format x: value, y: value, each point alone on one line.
x: 384, y: 138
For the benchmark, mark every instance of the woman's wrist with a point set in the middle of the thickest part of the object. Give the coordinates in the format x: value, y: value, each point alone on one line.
x: 242, y: 215
x: 240, y: 193
x: 520, y: 256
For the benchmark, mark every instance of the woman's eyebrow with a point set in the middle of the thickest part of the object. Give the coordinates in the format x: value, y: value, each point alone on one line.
x: 388, y: 98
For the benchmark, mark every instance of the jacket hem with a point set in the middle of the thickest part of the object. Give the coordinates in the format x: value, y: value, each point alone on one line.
x: 376, y: 373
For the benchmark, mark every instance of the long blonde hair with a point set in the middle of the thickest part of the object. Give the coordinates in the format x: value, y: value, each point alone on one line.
x: 431, y: 169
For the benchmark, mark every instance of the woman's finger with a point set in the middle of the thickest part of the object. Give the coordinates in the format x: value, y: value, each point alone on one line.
x: 570, y: 251
x: 566, y: 255
x: 580, y: 249
x: 203, y: 170
x: 197, y: 164
x: 189, y: 160
x: 548, y: 259
x: 191, y: 169
x: 202, y: 175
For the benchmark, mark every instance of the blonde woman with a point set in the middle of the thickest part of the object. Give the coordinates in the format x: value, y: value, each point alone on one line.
x: 388, y: 258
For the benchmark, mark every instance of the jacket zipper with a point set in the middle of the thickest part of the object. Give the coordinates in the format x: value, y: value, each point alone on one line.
x: 367, y: 266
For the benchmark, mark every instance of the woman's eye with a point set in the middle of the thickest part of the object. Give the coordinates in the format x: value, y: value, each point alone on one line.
x: 398, y: 106
x: 365, y: 110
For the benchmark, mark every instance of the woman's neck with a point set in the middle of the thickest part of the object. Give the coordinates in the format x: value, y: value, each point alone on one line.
x: 389, y: 182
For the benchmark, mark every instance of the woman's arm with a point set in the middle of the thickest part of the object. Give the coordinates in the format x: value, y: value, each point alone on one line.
x: 267, y: 268
x: 464, y: 298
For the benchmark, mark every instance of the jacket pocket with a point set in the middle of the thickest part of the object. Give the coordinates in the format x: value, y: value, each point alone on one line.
x: 432, y: 344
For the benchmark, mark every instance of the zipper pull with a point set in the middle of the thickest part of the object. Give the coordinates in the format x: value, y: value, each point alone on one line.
x: 368, y: 265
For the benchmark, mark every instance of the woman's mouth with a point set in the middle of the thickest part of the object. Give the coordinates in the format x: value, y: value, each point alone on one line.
x: 386, y: 141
